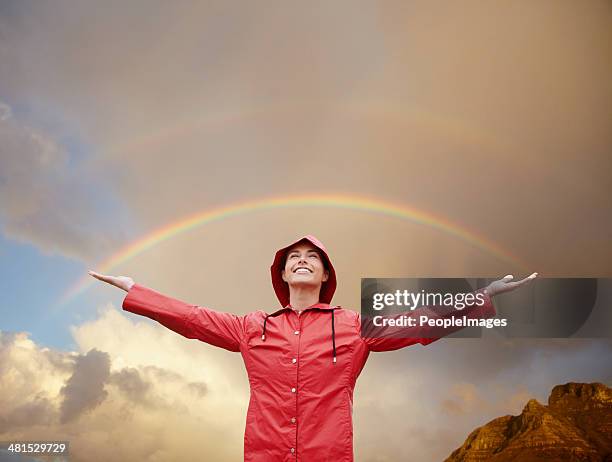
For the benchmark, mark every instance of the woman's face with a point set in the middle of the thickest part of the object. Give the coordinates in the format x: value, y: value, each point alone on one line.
x: 304, y: 266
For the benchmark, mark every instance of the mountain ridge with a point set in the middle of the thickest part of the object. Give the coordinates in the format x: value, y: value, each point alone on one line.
x: 575, y: 425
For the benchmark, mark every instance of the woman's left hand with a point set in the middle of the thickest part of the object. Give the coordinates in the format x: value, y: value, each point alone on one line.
x: 506, y: 284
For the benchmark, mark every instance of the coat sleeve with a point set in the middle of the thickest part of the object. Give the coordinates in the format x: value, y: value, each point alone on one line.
x: 217, y: 328
x: 387, y: 339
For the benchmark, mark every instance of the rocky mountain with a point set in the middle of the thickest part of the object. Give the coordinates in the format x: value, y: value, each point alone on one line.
x: 576, y: 425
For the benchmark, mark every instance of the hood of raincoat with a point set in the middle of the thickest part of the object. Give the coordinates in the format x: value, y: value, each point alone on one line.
x: 282, y: 288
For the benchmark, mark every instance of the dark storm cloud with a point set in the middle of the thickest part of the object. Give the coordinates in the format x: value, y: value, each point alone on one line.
x: 39, y: 411
x: 130, y: 382
x: 84, y: 390
x: 477, y: 360
x: 138, y: 385
x: 200, y: 389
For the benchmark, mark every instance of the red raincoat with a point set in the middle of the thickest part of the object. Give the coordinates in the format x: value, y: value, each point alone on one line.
x: 302, y: 369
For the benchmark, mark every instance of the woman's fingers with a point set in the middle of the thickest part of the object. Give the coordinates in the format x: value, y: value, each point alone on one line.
x: 102, y: 277
x: 98, y: 276
x: 531, y: 277
x: 123, y: 282
x: 517, y: 284
x: 507, y: 284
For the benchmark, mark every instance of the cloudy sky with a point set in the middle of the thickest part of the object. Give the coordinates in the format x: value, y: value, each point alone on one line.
x: 118, y: 119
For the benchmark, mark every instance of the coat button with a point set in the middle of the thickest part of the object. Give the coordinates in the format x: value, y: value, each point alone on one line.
x: 293, y: 390
x: 292, y: 450
x: 292, y: 419
x: 294, y: 360
x: 296, y: 332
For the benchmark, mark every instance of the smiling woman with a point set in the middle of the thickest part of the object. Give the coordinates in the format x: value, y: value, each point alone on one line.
x: 304, y: 270
x: 303, y: 372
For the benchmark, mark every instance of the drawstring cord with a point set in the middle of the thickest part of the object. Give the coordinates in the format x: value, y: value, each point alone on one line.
x: 263, y: 332
x: 333, y: 336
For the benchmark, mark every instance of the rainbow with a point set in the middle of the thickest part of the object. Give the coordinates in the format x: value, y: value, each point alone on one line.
x: 351, y: 202
x: 389, y: 112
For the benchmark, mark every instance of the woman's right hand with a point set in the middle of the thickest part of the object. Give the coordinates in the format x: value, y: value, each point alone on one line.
x: 123, y: 282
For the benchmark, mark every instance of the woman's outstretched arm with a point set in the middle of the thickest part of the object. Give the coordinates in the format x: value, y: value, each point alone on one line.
x: 217, y: 328
x: 383, y: 338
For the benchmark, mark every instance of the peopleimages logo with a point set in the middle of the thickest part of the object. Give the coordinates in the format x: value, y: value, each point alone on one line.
x: 430, y: 308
